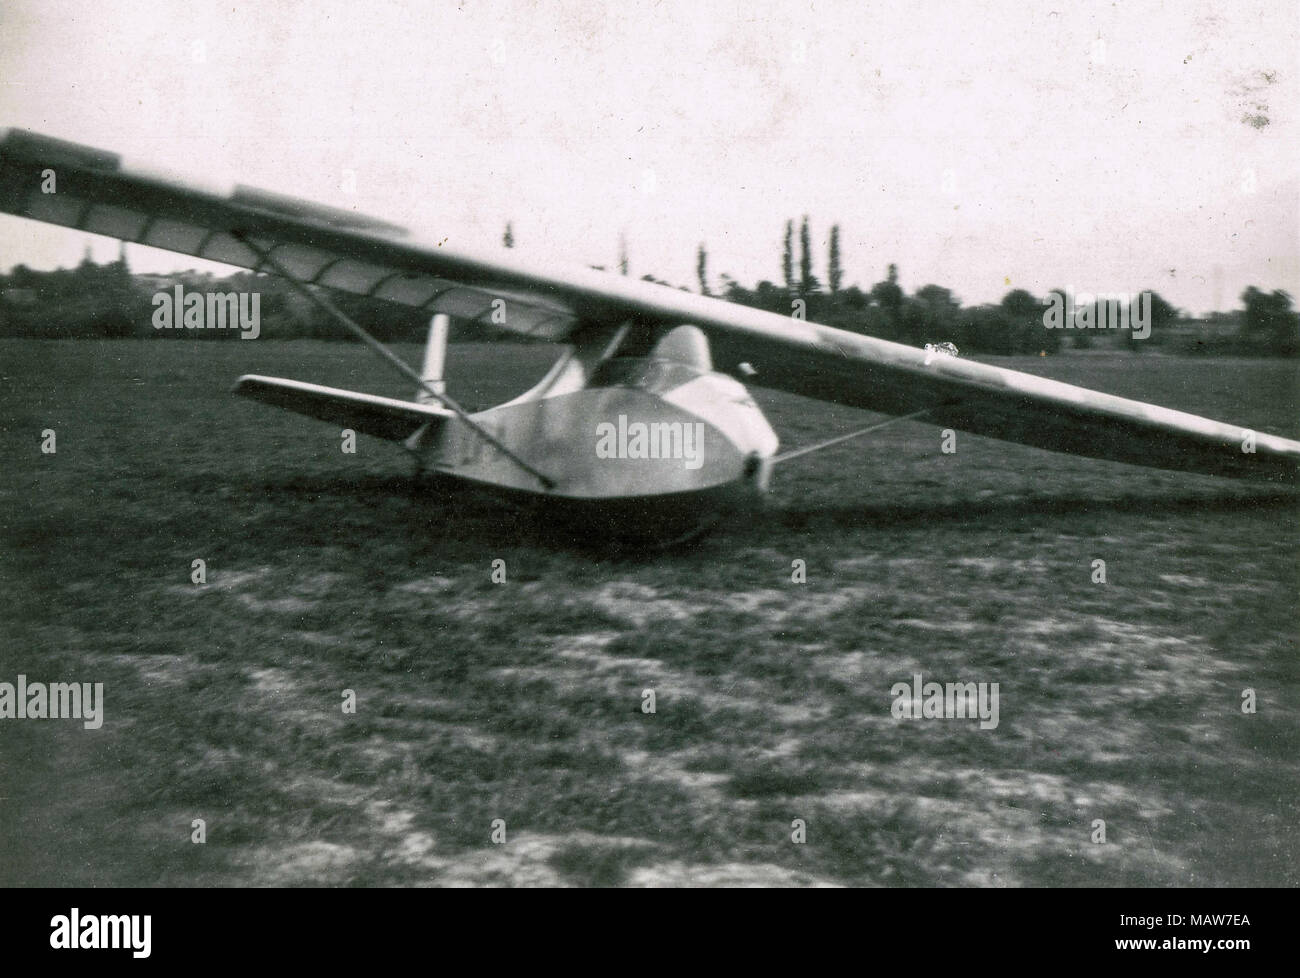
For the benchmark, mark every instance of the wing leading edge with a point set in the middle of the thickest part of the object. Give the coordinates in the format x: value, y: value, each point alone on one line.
x: 98, y: 192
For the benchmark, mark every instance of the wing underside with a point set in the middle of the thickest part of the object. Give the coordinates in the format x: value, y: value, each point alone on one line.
x: 98, y: 192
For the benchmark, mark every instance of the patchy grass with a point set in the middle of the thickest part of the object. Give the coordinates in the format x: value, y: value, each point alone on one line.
x: 523, y: 701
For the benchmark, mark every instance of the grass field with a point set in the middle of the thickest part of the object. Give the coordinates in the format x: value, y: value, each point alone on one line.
x: 522, y: 701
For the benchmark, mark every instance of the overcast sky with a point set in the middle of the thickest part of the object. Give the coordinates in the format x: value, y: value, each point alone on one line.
x: 982, y: 146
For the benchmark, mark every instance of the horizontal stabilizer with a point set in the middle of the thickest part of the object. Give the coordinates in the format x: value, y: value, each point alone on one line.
x: 383, y: 417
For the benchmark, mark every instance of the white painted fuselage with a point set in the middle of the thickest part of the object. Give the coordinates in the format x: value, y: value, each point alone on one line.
x: 649, y: 446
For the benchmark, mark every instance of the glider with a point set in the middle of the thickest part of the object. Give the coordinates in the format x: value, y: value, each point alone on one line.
x: 645, y: 413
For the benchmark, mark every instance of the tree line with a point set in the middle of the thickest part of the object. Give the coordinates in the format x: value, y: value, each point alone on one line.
x: 108, y: 301
x: 1266, y: 325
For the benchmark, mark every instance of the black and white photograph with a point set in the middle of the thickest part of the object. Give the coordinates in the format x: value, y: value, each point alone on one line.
x: 767, y: 444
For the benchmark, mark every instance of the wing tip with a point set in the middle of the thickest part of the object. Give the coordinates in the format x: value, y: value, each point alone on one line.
x: 34, y: 147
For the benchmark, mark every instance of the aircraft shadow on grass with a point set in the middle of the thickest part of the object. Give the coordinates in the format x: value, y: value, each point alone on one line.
x: 430, y: 512
x: 977, y: 512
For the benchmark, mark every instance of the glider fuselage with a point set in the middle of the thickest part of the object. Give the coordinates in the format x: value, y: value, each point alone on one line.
x: 650, y: 445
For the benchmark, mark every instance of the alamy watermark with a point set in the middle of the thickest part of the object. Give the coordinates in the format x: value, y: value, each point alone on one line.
x: 1102, y: 310
x: 654, y: 439
x: 131, y: 932
x: 211, y: 310
x: 53, y: 701
x: 919, y: 700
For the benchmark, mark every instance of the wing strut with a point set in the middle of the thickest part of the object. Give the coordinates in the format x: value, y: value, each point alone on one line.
x: 402, y: 367
x: 853, y: 434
